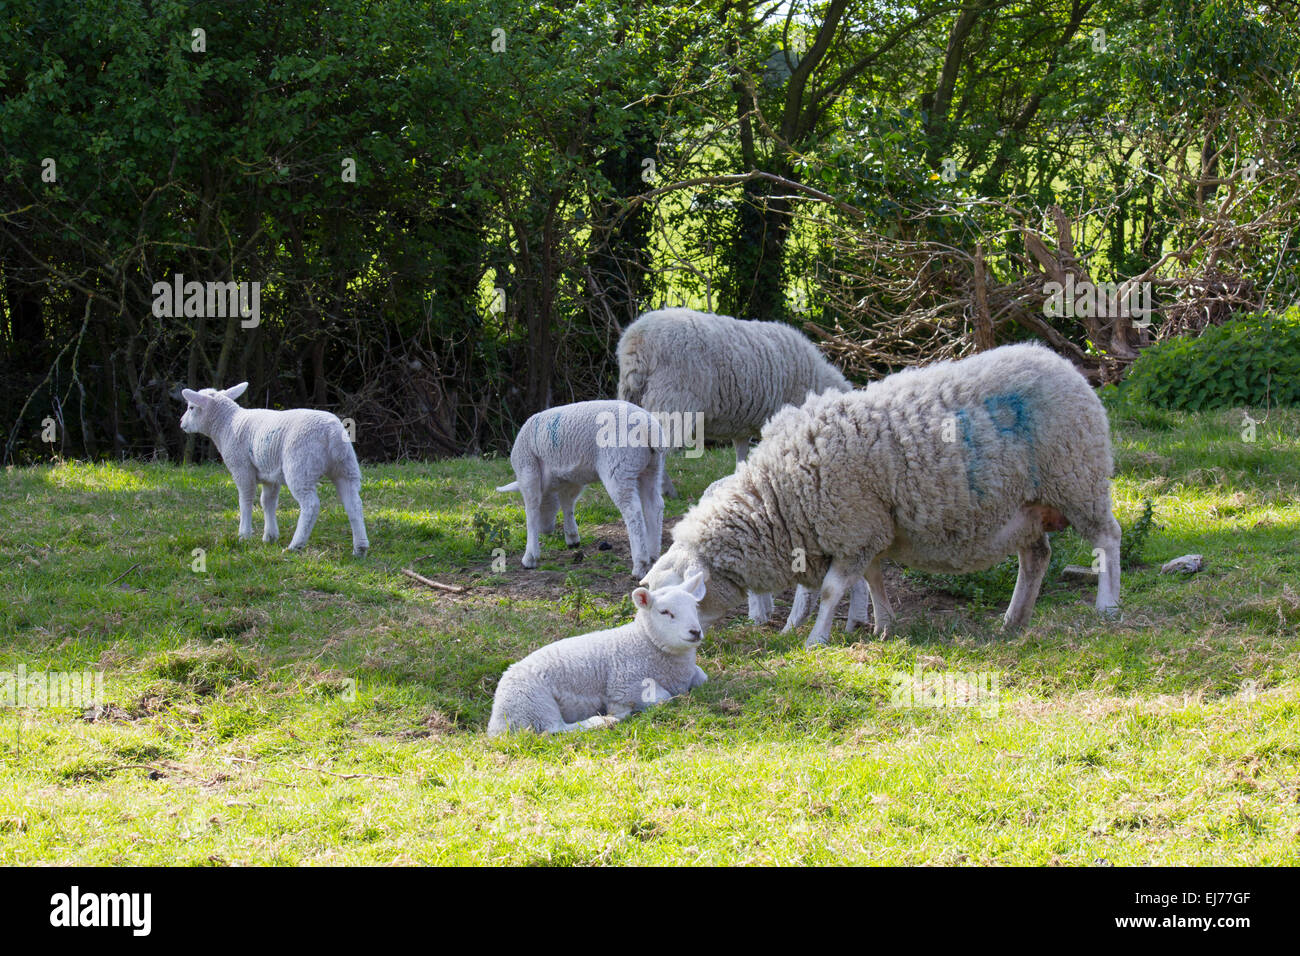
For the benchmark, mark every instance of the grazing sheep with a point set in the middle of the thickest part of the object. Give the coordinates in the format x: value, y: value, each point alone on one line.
x: 761, y: 606
x: 947, y: 468
x: 597, y: 679
x: 736, y: 374
x: 561, y: 450
x: 295, y: 448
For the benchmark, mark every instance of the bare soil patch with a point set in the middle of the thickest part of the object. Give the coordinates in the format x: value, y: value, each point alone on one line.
x: 602, y: 565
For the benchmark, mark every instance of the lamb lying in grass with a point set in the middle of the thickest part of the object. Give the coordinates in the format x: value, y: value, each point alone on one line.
x: 561, y: 450
x: 597, y: 679
x: 295, y: 448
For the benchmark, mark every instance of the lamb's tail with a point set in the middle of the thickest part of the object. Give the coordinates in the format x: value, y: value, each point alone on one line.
x: 513, y: 486
x: 342, y: 451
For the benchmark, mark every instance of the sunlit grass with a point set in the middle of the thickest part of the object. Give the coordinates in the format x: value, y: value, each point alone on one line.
x: 316, y: 708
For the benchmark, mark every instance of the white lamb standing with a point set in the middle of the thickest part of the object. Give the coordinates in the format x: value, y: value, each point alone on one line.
x: 597, y: 679
x: 947, y: 468
x: 295, y: 448
x: 736, y: 373
x: 560, y: 451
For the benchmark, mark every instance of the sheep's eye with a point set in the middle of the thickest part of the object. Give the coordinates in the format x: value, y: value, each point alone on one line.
x: 669, y: 613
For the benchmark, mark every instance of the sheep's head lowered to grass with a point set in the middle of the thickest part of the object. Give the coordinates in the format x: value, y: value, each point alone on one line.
x: 196, y: 419
x: 679, y: 567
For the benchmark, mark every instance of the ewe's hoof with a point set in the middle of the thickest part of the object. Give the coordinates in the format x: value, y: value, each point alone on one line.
x: 528, y: 561
x: 294, y: 547
x: 572, y: 542
x: 360, y: 552
x: 269, y: 538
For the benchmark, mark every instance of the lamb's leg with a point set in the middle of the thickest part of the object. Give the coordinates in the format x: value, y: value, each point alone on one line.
x: 1108, y: 581
x: 1034, y: 559
x: 349, y: 489
x: 550, y: 505
x: 568, y: 499
x: 652, y: 507
x: 616, y: 712
x: 530, y: 486
x: 591, y: 723
x: 270, y: 501
x: 838, y: 580
x: 246, y: 485
x: 666, y: 485
x: 805, y: 599
x: 628, y: 500
x: 879, y: 599
x: 742, y: 449
x: 308, y: 510
x: 859, y: 605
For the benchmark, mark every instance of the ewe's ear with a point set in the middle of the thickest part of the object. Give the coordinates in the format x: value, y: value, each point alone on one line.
x: 641, y: 599
x: 694, y: 586
x: 236, y: 390
x: 193, y: 397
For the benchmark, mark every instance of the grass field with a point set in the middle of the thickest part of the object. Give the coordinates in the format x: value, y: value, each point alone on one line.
x: 313, y: 708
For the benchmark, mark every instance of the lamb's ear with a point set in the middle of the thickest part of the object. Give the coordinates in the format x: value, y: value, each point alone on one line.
x: 641, y: 599
x: 193, y: 397
x: 694, y: 586
x: 236, y: 390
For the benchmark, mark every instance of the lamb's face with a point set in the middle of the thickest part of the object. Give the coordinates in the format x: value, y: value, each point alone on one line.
x: 200, y: 403
x: 196, y: 410
x: 672, y: 614
x: 678, y: 564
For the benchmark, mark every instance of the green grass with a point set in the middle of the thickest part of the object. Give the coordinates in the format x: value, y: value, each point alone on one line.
x: 319, y: 709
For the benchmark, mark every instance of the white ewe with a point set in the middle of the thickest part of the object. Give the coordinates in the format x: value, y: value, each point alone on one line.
x: 735, y: 373
x: 947, y: 468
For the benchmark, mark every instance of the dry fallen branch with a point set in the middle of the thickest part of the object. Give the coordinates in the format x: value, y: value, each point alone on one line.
x: 438, y: 585
x: 346, y: 776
